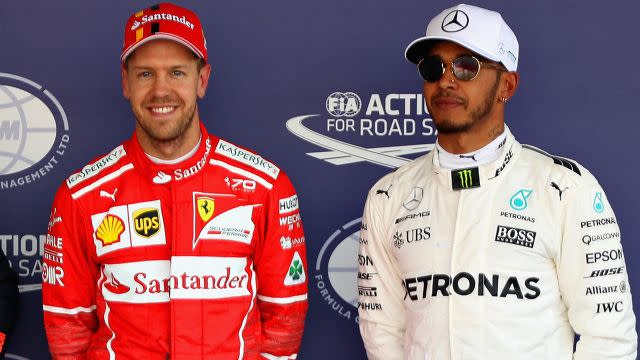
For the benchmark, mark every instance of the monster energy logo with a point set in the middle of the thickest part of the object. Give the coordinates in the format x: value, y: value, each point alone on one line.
x: 465, y: 178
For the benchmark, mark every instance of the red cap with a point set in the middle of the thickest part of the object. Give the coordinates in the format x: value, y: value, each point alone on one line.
x: 164, y: 21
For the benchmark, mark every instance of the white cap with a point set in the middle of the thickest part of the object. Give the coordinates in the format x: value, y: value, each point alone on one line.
x: 479, y: 30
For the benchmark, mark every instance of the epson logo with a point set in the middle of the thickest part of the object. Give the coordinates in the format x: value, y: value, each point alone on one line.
x: 364, y: 260
x: 603, y: 256
x: 606, y: 272
x: 466, y: 284
x: 515, y: 236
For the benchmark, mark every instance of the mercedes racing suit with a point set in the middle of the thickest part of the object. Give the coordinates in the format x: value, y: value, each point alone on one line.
x: 507, y: 260
x: 204, y: 259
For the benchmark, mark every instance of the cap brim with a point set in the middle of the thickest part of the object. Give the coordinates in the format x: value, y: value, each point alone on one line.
x: 158, y: 36
x: 419, y: 48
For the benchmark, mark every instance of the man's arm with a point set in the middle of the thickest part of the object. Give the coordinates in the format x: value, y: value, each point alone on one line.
x: 593, y: 277
x: 281, y: 267
x: 68, y: 281
x: 8, y: 301
x: 381, y: 316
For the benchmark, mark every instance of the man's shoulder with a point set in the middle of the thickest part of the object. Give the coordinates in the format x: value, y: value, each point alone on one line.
x: 554, y: 166
x: 406, y: 174
x: 100, y: 166
x: 230, y: 155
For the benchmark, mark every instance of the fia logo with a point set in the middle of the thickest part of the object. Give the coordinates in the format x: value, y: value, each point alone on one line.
x: 519, y: 200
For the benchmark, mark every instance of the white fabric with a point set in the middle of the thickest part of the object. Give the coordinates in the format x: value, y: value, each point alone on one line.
x: 442, y: 281
x: 488, y: 153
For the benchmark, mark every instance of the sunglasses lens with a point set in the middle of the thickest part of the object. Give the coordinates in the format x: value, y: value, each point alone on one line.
x: 466, y: 67
x: 431, y: 68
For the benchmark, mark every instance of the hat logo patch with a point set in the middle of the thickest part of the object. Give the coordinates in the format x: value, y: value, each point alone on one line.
x: 455, y: 21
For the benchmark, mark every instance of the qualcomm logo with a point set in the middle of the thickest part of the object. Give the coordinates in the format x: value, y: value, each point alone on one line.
x: 34, y: 131
x: 385, y: 116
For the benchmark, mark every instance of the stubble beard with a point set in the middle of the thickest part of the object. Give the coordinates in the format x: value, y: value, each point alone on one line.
x: 447, y: 126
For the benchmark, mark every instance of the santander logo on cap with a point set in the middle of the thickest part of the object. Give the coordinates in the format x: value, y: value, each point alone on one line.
x: 164, y: 21
x: 162, y: 16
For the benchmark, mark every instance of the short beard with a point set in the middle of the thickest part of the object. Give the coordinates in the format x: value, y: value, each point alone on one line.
x: 173, y: 135
x: 445, y: 126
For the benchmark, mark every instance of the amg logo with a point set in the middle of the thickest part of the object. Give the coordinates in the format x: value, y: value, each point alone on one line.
x: 515, y: 236
x: 367, y: 291
x: 605, y: 272
x: 610, y: 307
x: 413, y: 216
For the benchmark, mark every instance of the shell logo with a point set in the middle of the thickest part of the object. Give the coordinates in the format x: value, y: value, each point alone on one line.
x: 110, y: 230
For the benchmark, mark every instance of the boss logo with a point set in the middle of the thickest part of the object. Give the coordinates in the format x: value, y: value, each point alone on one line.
x: 515, y: 236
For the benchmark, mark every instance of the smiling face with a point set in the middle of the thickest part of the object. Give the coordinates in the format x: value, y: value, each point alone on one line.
x: 456, y: 105
x: 162, y: 80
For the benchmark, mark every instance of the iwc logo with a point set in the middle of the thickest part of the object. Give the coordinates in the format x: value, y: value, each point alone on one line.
x: 34, y: 131
x: 337, y: 270
x: 455, y: 21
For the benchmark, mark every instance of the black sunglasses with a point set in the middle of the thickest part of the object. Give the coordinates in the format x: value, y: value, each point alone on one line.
x: 465, y: 67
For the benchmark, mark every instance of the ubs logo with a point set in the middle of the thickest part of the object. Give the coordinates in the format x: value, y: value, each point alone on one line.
x: 455, y: 21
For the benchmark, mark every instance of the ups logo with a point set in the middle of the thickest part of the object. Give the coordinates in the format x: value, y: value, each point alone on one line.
x: 146, y: 222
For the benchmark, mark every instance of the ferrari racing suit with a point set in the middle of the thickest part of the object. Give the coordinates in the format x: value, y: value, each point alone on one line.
x: 508, y: 260
x: 203, y: 259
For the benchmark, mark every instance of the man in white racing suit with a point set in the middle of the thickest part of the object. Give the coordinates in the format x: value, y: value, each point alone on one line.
x: 485, y: 248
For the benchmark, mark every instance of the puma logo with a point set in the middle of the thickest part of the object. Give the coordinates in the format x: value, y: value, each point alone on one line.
x: 107, y: 195
x: 555, y: 186
x: 472, y: 157
x: 386, y: 192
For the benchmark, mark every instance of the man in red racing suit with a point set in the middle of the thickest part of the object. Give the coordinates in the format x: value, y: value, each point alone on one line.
x: 183, y: 250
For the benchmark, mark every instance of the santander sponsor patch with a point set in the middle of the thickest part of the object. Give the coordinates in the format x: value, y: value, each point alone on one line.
x: 246, y: 157
x: 182, y: 277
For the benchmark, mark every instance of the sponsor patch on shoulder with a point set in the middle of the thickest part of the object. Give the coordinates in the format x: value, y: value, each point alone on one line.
x: 94, y: 168
x: 246, y: 157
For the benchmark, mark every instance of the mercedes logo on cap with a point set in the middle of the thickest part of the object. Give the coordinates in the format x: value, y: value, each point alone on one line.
x: 455, y: 21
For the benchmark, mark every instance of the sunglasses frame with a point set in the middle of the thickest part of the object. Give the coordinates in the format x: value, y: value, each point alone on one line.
x: 443, y: 63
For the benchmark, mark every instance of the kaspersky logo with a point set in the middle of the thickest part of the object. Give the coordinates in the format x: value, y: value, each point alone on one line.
x: 465, y: 179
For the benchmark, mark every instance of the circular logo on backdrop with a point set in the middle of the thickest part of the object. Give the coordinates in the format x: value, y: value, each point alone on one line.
x: 455, y: 21
x: 337, y: 270
x: 344, y: 104
x: 34, y: 131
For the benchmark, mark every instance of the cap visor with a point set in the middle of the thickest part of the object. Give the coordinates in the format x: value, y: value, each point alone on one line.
x: 158, y: 36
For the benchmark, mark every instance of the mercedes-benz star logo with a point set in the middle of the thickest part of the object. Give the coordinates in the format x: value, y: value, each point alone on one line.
x: 455, y: 21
